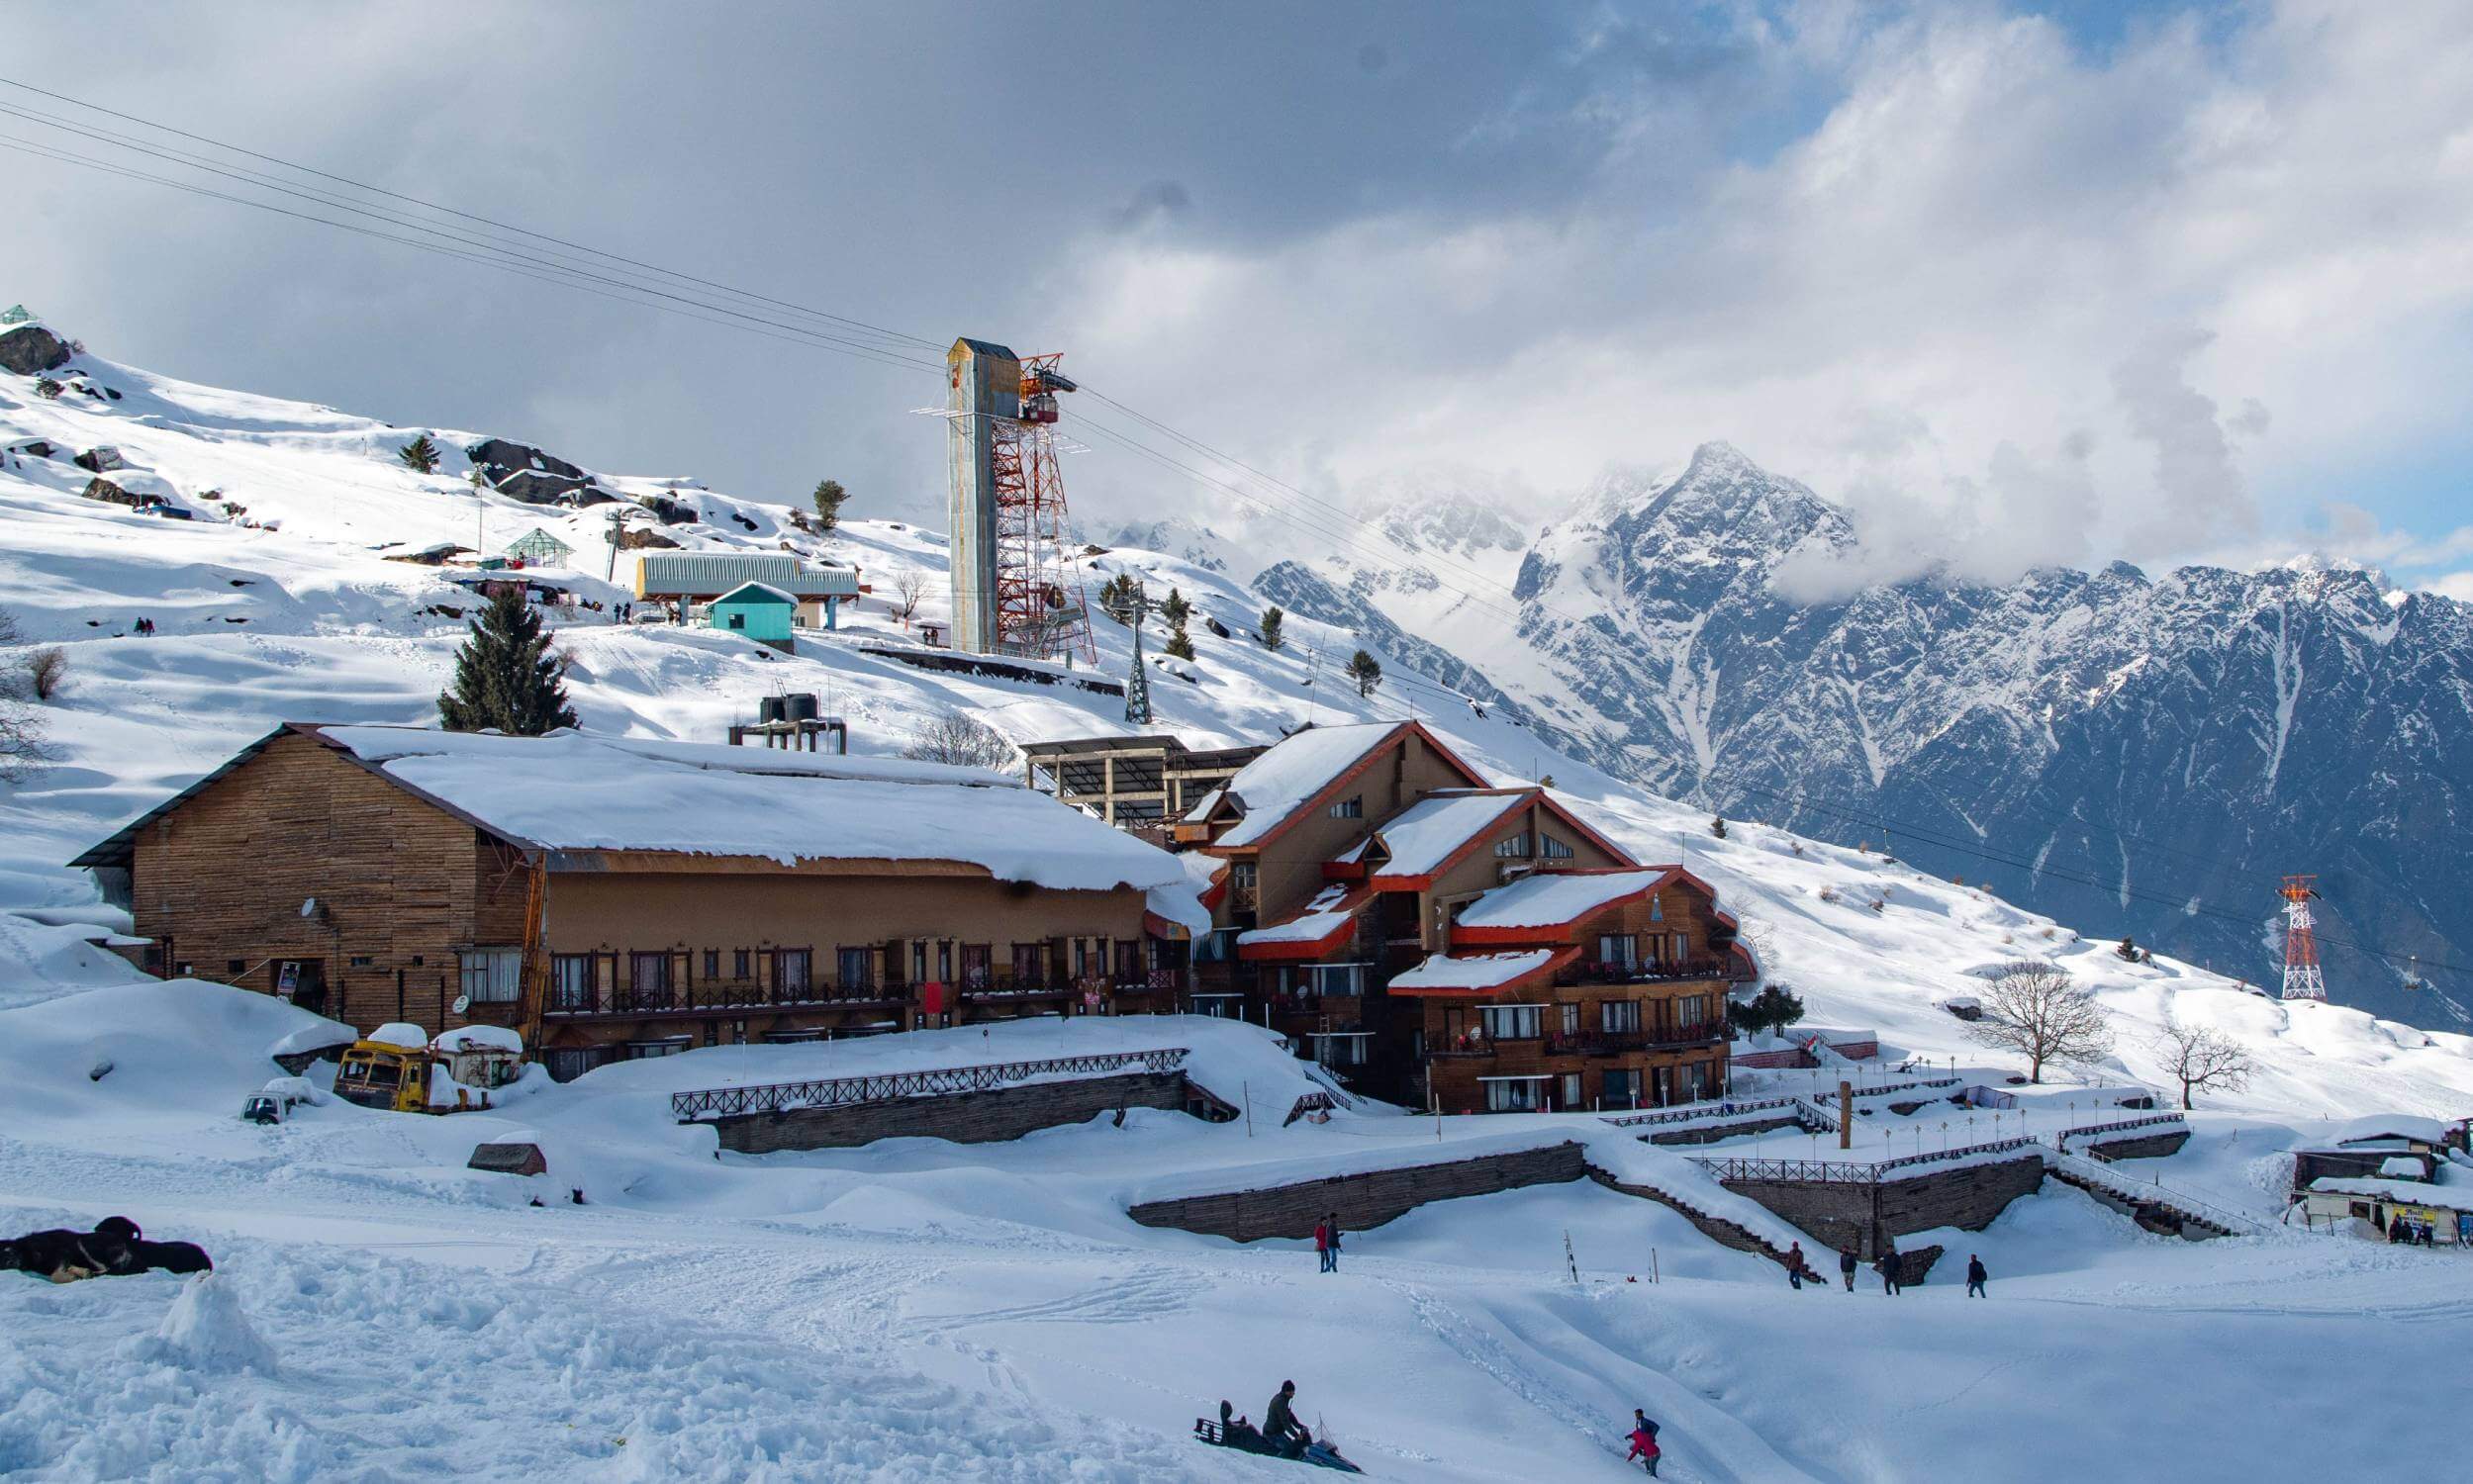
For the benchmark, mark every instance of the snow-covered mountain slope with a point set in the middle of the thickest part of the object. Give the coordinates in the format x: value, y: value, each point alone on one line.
x: 915, y: 1309
x: 306, y: 622
x: 2137, y: 756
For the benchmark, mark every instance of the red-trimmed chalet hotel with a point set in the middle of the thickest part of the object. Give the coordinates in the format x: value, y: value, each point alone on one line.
x: 1580, y: 989
x: 1350, y: 853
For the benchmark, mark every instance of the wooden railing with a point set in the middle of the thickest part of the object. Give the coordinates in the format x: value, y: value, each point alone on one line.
x: 1616, y: 973
x: 942, y: 1081
x: 626, y: 1001
x: 1843, y: 1173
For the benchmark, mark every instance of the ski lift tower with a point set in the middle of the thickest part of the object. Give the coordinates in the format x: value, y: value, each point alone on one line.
x: 2302, y: 977
x: 1017, y: 590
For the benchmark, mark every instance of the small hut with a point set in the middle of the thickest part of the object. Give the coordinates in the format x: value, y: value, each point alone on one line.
x: 756, y: 611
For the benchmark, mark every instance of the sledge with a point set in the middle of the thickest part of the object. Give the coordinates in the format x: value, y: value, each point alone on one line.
x: 1319, y: 1452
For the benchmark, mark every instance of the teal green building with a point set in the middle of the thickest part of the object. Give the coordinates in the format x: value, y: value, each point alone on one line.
x: 757, y: 611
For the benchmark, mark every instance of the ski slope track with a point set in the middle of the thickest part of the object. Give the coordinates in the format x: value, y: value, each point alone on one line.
x: 916, y: 1310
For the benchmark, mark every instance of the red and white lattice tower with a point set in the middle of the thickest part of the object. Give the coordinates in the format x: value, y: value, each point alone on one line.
x: 2302, y: 978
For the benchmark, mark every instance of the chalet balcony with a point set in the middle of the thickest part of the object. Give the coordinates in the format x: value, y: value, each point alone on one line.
x: 721, y: 998
x: 1617, y: 973
x: 1615, y: 1043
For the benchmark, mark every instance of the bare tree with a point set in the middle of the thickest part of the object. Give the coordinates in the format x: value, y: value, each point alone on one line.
x: 21, y: 725
x: 959, y: 740
x: 2034, y: 1009
x: 2201, y: 1058
x: 907, y: 589
x: 44, y: 670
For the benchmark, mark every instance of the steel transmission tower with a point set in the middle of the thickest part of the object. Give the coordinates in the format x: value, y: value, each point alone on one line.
x: 2302, y: 978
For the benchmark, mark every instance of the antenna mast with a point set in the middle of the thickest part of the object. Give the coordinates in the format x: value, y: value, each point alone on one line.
x: 2302, y: 977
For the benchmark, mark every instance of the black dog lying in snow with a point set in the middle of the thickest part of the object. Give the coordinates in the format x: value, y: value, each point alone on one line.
x: 114, y: 1248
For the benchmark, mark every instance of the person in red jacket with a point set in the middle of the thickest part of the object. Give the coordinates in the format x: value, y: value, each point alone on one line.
x: 1643, y: 1442
x: 1323, y: 1243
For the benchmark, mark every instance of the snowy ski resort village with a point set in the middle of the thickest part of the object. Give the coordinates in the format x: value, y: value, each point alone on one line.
x: 511, y: 970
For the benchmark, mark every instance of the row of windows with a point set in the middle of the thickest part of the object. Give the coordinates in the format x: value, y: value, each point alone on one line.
x: 1618, y: 1089
x: 491, y: 975
x: 1516, y: 848
x: 1618, y: 1017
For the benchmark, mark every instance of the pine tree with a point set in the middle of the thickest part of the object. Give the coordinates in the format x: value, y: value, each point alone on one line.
x: 506, y: 677
x: 420, y: 455
x: 1717, y: 826
x: 47, y: 388
x: 1178, y: 646
x: 828, y: 498
x: 1175, y: 608
x: 1366, y: 671
x: 1271, y: 623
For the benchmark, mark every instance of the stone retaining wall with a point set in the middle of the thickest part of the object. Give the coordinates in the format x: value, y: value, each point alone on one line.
x: 2134, y: 1147
x: 989, y: 1117
x: 1712, y: 1133
x: 1836, y: 1214
x: 1362, y: 1200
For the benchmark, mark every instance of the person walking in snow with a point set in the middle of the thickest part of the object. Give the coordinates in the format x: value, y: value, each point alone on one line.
x: 2395, y: 1229
x: 1976, y: 1277
x: 1846, y: 1267
x: 1281, y: 1429
x: 1888, y: 1265
x: 1322, y: 1242
x: 1331, y: 1234
x: 1794, y: 1267
x: 1643, y: 1442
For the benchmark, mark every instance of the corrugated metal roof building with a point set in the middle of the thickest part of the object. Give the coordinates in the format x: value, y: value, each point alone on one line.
x: 688, y: 578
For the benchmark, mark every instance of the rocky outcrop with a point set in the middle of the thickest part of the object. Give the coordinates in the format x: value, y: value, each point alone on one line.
x: 31, y: 349
x: 522, y: 472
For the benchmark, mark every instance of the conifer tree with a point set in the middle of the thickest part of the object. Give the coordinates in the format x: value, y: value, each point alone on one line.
x: 420, y: 455
x: 506, y: 677
x: 1366, y: 671
x: 1174, y: 607
x: 1178, y: 646
x: 1717, y: 826
x: 1271, y: 623
x: 828, y: 499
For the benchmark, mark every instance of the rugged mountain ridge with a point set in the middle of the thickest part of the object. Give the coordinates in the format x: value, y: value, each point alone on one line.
x: 2145, y: 755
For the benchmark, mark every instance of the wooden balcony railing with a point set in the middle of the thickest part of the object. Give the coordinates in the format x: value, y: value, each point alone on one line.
x: 629, y: 1002
x: 1618, y: 973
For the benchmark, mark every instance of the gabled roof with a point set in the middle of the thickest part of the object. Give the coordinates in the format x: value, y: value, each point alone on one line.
x: 757, y: 593
x: 574, y: 793
x: 1306, y: 769
x: 1434, y: 833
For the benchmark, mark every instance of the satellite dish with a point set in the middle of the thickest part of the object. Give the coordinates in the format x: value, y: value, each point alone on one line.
x: 462, y: 1003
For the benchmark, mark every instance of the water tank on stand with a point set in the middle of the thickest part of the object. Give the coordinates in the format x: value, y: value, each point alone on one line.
x: 770, y: 710
x: 802, y: 707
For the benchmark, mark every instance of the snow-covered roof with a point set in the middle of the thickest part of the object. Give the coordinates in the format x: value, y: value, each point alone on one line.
x: 2401, y: 1192
x: 477, y: 1038
x: 1202, y: 807
x: 2401, y: 1167
x: 400, y: 1033
x: 1429, y: 832
x: 2392, y: 1126
x: 1550, y: 898
x: 1295, y: 768
x: 572, y: 791
x: 1328, y: 910
x: 1476, y: 972
x: 1180, y: 903
x: 756, y: 592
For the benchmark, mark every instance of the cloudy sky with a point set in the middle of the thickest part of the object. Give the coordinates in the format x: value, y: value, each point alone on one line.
x: 2029, y: 282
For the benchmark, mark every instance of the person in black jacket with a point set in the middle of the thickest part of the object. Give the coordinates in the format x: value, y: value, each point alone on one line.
x: 1281, y: 1429
x: 1976, y: 1277
x: 1846, y: 1267
x: 1888, y: 1265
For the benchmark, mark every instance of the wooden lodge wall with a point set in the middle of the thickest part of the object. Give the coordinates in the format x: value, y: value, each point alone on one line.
x: 220, y: 884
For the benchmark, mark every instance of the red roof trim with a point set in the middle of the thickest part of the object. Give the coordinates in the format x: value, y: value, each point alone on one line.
x: 1517, y: 799
x: 1630, y: 861
x: 1348, y: 907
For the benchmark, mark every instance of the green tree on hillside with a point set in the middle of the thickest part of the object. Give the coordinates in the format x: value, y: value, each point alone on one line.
x: 1273, y: 620
x: 420, y: 455
x: 505, y: 677
x: 1366, y: 671
x: 828, y: 499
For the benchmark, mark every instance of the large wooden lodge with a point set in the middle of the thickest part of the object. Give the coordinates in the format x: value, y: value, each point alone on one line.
x: 1450, y: 944
x: 656, y: 895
